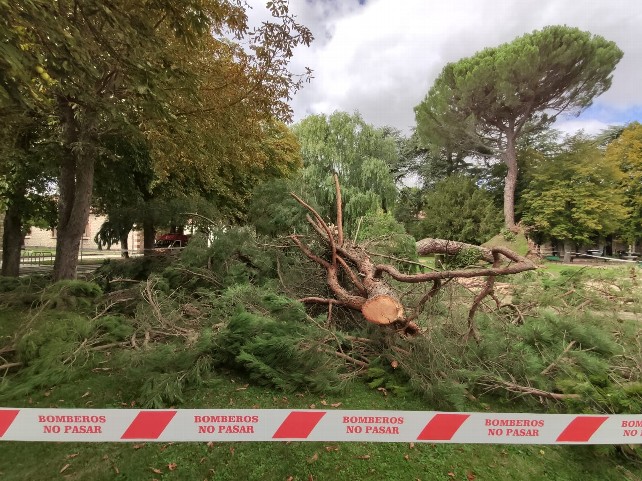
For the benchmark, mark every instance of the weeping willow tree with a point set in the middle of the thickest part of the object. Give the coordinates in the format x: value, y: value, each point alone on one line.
x: 359, y: 153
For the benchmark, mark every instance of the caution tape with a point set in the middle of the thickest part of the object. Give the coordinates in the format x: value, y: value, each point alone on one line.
x: 123, y: 425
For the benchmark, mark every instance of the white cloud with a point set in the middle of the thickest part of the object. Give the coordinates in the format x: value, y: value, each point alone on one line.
x: 381, y: 58
x: 590, y: 126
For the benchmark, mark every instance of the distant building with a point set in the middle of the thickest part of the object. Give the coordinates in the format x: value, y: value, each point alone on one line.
x: 46, y: 238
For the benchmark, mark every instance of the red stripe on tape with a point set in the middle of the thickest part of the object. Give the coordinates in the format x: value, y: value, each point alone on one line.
x: 581, y: 428
x: 298, y: 424
x: 6, y: 418
x: 148, y: 425
x: 442, y: 427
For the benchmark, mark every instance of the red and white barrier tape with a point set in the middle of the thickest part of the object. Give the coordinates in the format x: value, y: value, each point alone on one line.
x: 315, y: 425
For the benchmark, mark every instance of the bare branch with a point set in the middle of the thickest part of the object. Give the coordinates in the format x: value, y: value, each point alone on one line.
x: 512, y: 387
x: 353, y: 277
x: 552, y: 365
x: 436, y: 285
x: 339, y: 210
x: 309, y: 254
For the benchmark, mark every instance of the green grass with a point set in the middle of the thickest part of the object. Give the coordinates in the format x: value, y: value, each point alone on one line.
x: 117, y: 387
x: 604, y: 270
x: 285, y: 460
x: 518, y: 244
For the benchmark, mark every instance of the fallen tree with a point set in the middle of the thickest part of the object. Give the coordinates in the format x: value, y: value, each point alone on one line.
x: 359, y: 283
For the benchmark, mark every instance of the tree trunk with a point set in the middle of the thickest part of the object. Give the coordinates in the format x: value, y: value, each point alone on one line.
x: 149, y: 236
x: 568, y: 249
x: 12, y: 241
x: 510, y: 182
x: 76, y: 180
x: 124, y: 245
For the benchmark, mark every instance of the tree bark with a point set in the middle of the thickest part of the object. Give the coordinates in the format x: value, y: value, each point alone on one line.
x: 124, y: 245
x: 12, y: 241
x: 12, y: 225
x: 451, y: 248
x: 149, y: 236
x: 510, y: 181
x: 568, y: 249
x: 76, y: 180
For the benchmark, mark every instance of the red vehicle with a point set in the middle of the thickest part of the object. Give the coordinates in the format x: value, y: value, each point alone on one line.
x: 172, y: 241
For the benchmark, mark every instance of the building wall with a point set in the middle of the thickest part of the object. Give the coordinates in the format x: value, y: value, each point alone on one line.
x: 46, y: 238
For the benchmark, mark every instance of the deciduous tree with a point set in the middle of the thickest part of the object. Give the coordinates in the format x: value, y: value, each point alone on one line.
x: 359, y: 153
x: 626, y: 152
x: 575, y: 196
x: 97, y: 67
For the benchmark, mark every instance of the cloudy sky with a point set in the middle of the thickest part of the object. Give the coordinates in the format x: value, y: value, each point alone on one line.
x: 380, y: 57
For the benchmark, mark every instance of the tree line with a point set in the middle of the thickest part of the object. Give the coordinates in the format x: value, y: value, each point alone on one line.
x: 126, y: 105
x: 149, y: 112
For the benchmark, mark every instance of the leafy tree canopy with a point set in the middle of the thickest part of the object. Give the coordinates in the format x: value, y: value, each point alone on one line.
x: 485, y: 102
x: 203, y: 87
x: 457, y: 209
x: 575, y: 195
x: 359, y: 153
x: 626, y: 152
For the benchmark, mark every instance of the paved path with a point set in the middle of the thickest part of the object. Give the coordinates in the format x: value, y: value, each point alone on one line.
x: 33, y: 269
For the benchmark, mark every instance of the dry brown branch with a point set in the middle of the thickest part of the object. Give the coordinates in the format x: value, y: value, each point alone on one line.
x: 111, y: 304
x: 398, y: 259
x: 436, y: 285
x: 337, y: 189
x: 353, y: 277
x: 512, y: 387
x: 7, y: 350
x: 521, y: 264
x: 488, y: 289
x: 351, y: 359
x: 520, y: 317
x: 552, y: 365
x: 372, y: 293
x: 308, y: 253
x: 149, y: 295
x: 10, y: 365
x: 104, y: 347
x: 319, y: 224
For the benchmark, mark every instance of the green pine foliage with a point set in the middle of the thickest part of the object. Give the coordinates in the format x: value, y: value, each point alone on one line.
x: 197, y: 319
x: 273, y: 345
x: 71, y: 294
x: 233, y: 256
x: 457, y: 209
x: 383, y: 234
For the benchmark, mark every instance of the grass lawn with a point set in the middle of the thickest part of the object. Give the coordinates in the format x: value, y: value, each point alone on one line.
x: 285, y: 460
x: 112, y: 378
